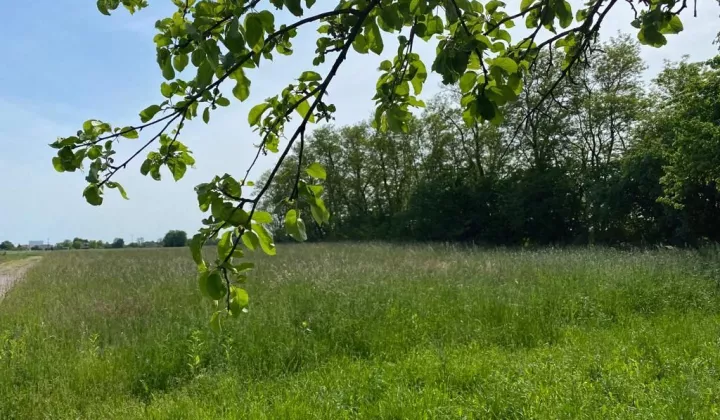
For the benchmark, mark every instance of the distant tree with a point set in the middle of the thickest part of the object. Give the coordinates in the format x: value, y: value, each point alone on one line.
x: 175, y: 238
x: 118, y: 243
x: 77, y: 243
x: 7, y: 246
x: 67, y: 243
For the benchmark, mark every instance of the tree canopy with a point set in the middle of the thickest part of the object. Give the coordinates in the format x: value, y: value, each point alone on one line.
x: 594, y: 167
x: 175, y: 239
x: 206, y: 44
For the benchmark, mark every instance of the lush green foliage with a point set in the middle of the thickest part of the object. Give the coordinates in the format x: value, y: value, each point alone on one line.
x: 370, y: 331
x: 590, y: 167
x: 207, y: 43
x: 175, y: 238
x: 6, y: 246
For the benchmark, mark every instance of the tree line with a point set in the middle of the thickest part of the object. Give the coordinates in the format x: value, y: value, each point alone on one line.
x: 172, y: 239
x: 605, y: 158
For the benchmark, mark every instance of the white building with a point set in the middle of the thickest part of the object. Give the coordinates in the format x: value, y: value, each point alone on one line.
x: 38, y: 244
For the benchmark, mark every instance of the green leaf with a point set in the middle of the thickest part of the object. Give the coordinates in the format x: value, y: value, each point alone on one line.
x: 373, y: 37
x: 294, y: 226
x: 129, y: 133
x: 310, y: 76
x: 581, y: 15
x: 243, y: 267
x: 242, y: 87
x: 294, y: 7
x: 265, y: 238
x: 238, y: 217
x: 238, y: 301
x: 485, y: 107
x: 319, y: 212
x: 507, y: 64
x: 94, y: 152
x: 402, y: 89
x: 102, y: 7
x: 177, y: 168
x: 268, y: 20
x: 148, y: 113
x: 196, y: 244
x: 203, y: 282
x: 206, y: 115
x: 205, y: 74
x: 57, y: 164
x: 303, y: 109
x: 385, y: 65
x: 167, y: 69
x: 217, y: 208
x: 166, y: 89
x: 360, y: 44
x: 93, y: 195
x: 215, y: 286
x: 420, y: 76
x: 563, y: 10
x: 256, y: 113
x: 254, y: 31
x: 119, y: 187
x: 181, y: 61
x: 262, y: 217
x: 197, y: 57
x: 467, y: 81
x: 234, y: 40
x: 316, y: 171
x: 649, y: 35
x: 224, y: 245
x: 492, y: 6
x: 672, y: 26
x: 145, y: 167
x: 215, y: 322
x: 525, y: 4
x: 250, y: 239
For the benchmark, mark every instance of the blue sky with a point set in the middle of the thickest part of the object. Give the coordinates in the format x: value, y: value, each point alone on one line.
x: 63, y: 62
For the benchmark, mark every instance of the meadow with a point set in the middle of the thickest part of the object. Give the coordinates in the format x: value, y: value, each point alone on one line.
x: 367, y: 331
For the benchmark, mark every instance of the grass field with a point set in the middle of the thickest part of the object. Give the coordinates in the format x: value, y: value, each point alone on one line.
x: 6, y: 256
x: 367, y: 331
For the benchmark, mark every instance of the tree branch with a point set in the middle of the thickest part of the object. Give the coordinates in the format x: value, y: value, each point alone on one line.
x: 323, y: 88
x: 182, y: 110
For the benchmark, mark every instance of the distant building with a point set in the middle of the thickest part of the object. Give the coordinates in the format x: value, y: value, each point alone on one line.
x: 39, y: 245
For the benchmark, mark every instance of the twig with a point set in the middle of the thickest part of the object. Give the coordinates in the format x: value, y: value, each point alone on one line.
x: 294, y: 193
x: 124, y: 164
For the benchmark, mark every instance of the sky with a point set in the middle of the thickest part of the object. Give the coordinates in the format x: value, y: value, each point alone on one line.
x: 63, y: 63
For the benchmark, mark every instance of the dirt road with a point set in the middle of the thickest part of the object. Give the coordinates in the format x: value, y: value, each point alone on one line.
x: 12, y: 271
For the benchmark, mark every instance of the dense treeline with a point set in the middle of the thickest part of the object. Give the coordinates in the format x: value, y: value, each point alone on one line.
x: 607, y: 158
x: 174, y: 238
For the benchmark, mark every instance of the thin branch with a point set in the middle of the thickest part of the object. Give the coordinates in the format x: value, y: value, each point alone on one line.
x: 127, y: 130
x: 274, y: 126
x: 405, y: 62
x: 177, y: 133
x: 149, y: 142
x: 294, y: 193
x: 323, y: 88
x: 632, y: 6
x: 479, y: 53
x: 587, y: 31
x: 182, y: 110
x: 216, y: 25
x: 512, y: 17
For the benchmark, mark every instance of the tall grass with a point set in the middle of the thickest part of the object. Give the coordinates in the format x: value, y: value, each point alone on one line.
x: 367, y: 331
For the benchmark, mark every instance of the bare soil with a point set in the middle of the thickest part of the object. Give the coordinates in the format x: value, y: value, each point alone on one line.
x: 12, y: 271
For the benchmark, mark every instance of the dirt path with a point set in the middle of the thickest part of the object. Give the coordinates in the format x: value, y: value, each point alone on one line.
x: 12, y: 271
